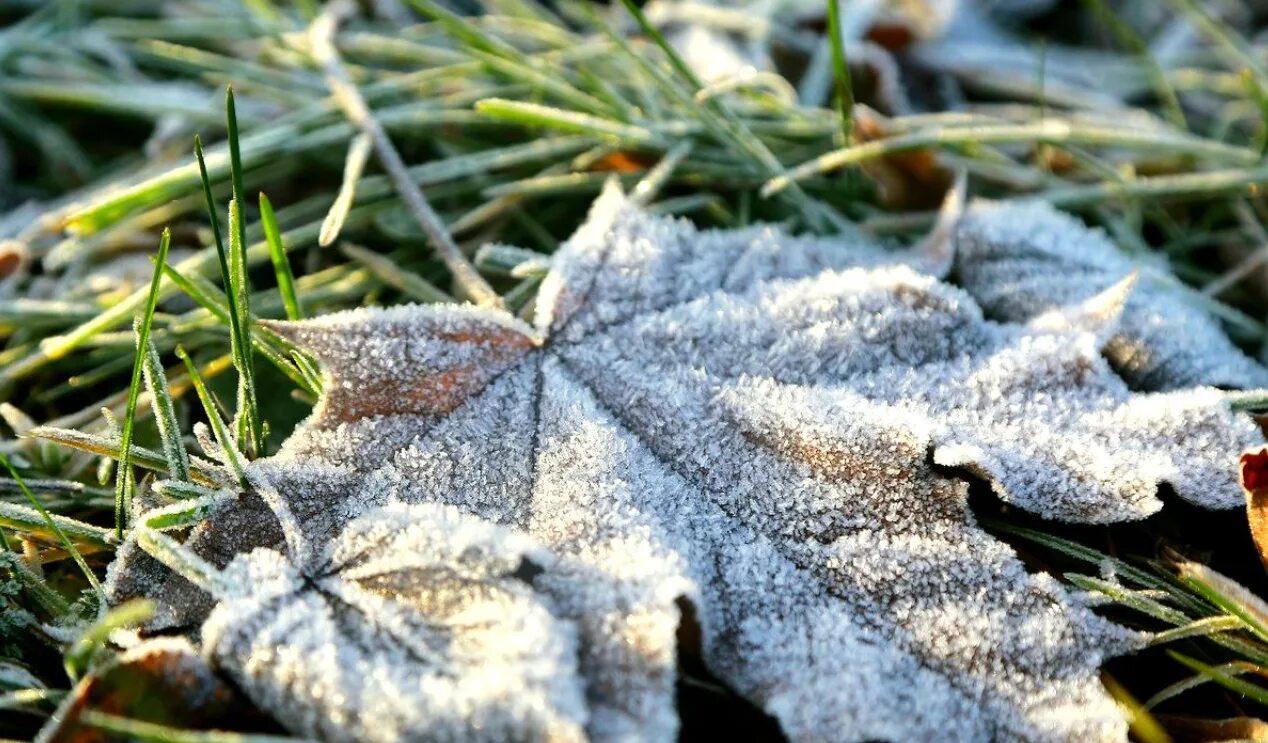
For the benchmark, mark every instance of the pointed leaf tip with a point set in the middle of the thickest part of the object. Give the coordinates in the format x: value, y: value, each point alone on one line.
x: 1023, y: 259
x: 938, y: 247
x: 1098, y: 314
x: 1103, y: 310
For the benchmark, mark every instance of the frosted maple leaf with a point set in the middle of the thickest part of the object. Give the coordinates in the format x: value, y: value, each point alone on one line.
x: 749, y: 421
x: 1022, y: 259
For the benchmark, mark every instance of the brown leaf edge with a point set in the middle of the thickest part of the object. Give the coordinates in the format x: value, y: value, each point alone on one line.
x: 1254, y: 473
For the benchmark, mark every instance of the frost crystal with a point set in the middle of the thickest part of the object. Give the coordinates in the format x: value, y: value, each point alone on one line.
x: 1021, y: 260
x: 416, y: 623
x: 740, y: 418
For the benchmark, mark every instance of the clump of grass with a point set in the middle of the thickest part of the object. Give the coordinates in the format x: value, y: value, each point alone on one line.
x: 512, y: 120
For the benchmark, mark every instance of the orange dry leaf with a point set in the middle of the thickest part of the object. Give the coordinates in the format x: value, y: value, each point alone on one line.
x: 623, y: 162
x: 907, y: 180
x: 1255, y: 483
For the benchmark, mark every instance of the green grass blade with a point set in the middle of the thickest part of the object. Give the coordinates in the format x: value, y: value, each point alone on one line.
x: 646, y: 189
x: 149, y: 732
x: 653, y: 33
x: 211, y: 299
x: 536, y: 114
x: 248, y: 415
x: 226, y: 259
x: 391, y: 273
x: 165, y: 414
x: 130, y: 614
x: 107, y: 447
x: 1230, y: 596
x: 182, y: 490
x: 353, y: 166
x: 218, y: 428
x: 1223, y: 678
x: 277, y: 253
x: 187, y: 512
x: 123, y: 477
x: 235, y: 161
x: 1197, y: 628
x: 46, y: 599
x: 212, y: 215
x: 54, y: 526
x: 40, y: 521
x: 841, y: 72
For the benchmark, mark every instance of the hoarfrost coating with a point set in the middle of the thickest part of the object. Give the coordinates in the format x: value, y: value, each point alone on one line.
x: 745, y: 420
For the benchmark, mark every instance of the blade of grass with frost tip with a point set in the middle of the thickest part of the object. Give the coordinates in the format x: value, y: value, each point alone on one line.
x: 1223, y: 678
x: 70, y: 488
x: 218, y: 428
x: 182, y: 490
x: 321, y: 39
x: 248, y: 414
x: 165, y: 414
x: 1228, y: 595
x: 130, y: 614
x: 1080, y: 552
x: 841, y: 72
x: 48, y: 600
x: 54, y: 526
x: 646, y: 189
x: 182, y: 560
x: 149, y: 732
x: 187, y: 512
x: 277, y: 252
x: 353, y: 166
x: 1050, y: 131
x: 1131, y: 599
x: 31, y: 521
x: 392, y: 274
x: 27, y: 700
x: 1197, y: 628
x: 517, y: 70
x: 1235, y: 668
x: 137, y: 455
x: 123, y: 477
x: 509, y: 260
x: 235, y: 160
x: 520, y: 294
x: 263, y: 340
x: 536, y: 114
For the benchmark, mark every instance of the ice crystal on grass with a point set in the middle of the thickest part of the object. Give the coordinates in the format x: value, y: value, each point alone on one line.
x: 748, y: 420
x: 1021, y: 260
